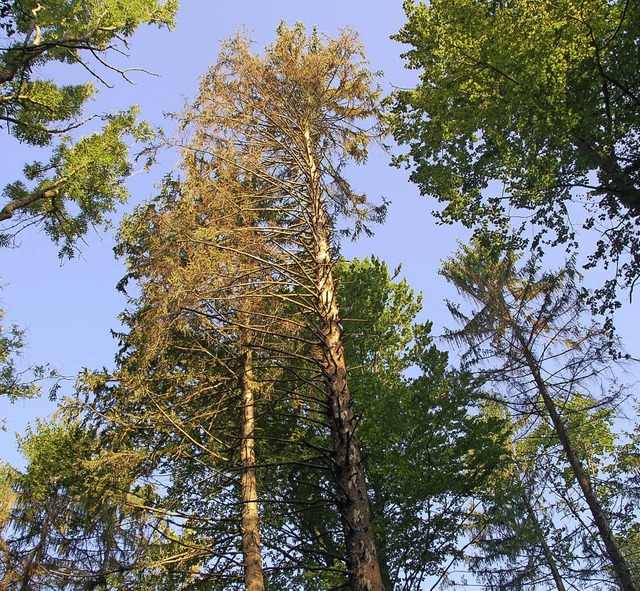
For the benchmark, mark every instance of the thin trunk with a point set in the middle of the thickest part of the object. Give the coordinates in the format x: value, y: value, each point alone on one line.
x: 548, y: 555
x: 618, y: 561
x: 382, y: 540
x: 533, y: 518
x: 353, y: 501
x: 253, y: 575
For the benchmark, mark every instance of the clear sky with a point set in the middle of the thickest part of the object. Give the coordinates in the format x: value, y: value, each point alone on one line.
x: 69, y: 309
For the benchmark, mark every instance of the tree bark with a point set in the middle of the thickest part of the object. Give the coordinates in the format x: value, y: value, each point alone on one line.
x: 253, y: 575
x: 378, y: 507
x: 353, y: 500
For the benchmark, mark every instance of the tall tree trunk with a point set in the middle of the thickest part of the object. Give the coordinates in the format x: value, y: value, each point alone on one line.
x: 253, y: 575
x: 353, y: 501
x: 537, y: 526
x: 618, y: 562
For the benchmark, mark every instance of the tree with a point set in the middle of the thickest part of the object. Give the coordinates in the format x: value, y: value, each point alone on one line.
x: 12, y: 382
x: 524, y: 109
x: 530, y: 323
x: 187, y: 362
x: 235, y: 261
x: 288, y: 123
x: 531, y: 528
x: 71, y: 523
x: 176, y: 411
x: 417, y: 416
x: 83, y: 179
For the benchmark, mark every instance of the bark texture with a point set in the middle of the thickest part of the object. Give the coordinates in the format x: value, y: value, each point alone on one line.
x: 353, y: 500
x: 253, y: 575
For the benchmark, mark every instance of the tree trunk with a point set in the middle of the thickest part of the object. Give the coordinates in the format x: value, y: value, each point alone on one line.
x: 253, y: 575
x: 619, y: 564
x: 378, y: 507
x: 548, y: 555
x: 353, y: 501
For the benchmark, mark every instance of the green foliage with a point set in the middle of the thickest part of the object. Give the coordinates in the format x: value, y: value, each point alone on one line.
x: 12, y: 378
x: 72, y: 523
x: 523, y: 108
x: 416, y: 417
x: 66, y: 32
x: 525, y: 335
x: 84, y: 178
x: 81, y: 184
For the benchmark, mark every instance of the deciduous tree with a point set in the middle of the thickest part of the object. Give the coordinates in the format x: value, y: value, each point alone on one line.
x: 83, y: 180
x: 530, y: 110
x: 428, y: 450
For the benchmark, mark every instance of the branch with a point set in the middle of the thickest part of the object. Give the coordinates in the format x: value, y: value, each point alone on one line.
x: 621, y: 186
x: 8, y: 210
x: 29, y: 53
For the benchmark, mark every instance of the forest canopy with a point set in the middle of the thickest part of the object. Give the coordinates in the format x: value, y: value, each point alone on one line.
x: 282, y: 412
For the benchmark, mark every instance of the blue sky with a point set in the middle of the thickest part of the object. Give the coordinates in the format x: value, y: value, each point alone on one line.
x: 69, y: 309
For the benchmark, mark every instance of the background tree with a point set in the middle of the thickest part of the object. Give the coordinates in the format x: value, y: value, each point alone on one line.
x: 195, y: 311
x: 532, y: 529
x: 527, y: 331
x: 83, y: 179
x: 71, y: 524
x: 527, y: 108
x: 176, y: 413
x: 417, y: 417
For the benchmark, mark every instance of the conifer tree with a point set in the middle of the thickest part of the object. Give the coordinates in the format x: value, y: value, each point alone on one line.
x: 235, y: 264
x: 288, y: 122
x: 526, y: 330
